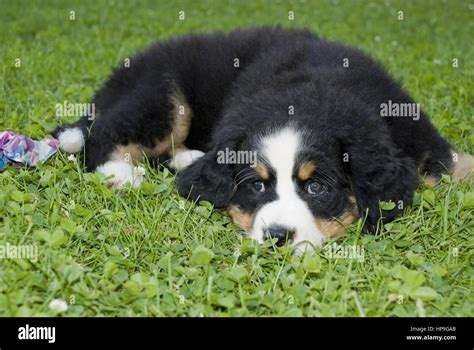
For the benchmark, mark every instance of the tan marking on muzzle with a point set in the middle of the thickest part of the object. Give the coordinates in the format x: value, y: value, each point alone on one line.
x: 241, y: 218
x: 336, y: 227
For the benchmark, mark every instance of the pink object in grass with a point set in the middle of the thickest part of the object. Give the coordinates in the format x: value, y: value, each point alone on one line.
x: 20, y: 150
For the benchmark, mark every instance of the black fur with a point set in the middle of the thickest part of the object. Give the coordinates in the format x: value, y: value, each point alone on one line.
x: 336, y: 107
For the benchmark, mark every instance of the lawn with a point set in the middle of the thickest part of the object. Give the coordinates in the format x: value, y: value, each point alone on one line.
x: 148, y: 252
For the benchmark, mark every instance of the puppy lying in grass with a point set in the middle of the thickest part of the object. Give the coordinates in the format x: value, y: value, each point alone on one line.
x: 295, y: 136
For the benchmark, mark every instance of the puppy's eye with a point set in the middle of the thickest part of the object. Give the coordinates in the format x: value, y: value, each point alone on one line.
x: 258, y: 186
x: 314, y: 188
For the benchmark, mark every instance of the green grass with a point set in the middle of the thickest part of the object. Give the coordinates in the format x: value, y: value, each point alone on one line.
x: 149, y: 252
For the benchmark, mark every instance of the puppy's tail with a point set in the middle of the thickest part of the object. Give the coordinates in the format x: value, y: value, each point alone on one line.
x: 72, y: 137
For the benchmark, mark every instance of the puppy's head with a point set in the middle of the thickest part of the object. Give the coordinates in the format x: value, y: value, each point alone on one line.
x: 283, y: 184
x: 296, y: 192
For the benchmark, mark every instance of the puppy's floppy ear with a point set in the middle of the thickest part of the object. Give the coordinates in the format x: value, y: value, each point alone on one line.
x: 378, y: 172
x: 207, y: 179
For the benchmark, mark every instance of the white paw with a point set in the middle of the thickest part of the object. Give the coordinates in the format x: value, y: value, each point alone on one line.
x: 183, y: 158
x: 463, y: 165
x: 122, y: 172
x: 71, y: 140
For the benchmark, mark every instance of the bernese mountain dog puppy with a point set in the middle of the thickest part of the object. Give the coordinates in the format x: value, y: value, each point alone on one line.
x: 295, y: 136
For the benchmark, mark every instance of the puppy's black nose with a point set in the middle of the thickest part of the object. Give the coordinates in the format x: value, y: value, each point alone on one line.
x: 283, y: 234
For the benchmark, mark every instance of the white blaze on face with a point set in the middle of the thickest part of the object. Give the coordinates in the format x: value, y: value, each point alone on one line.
x: 288, y: 210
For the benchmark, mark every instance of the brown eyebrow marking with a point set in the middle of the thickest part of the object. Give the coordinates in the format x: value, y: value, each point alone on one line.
x: 306, y: 170
x: 241, y: 218
x: 262, y: 171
